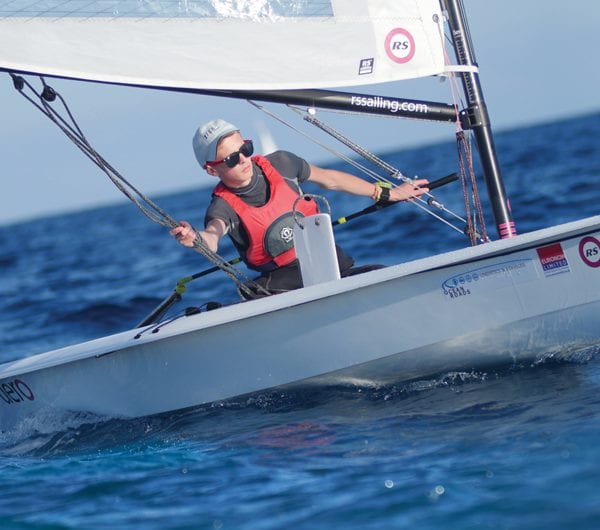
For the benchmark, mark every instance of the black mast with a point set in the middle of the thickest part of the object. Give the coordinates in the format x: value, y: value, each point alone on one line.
x: 476, y: 117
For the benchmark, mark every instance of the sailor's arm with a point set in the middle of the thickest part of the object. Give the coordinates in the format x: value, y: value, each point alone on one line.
x: 214, y: 231
x: 332, y: 179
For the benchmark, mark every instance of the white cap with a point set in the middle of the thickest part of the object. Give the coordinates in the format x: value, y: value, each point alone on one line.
x: 207, y: 137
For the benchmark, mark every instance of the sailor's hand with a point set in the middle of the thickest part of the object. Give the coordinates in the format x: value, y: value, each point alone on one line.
x: 408, y: 191
x: 184, y: 233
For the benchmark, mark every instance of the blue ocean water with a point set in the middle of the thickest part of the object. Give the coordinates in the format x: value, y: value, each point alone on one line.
x: 508, y: 449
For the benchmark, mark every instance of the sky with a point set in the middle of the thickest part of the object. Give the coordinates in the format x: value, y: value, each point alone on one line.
x: 537, y: 63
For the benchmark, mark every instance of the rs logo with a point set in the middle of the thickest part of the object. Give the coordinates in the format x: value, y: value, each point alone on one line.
x: 400, y: 45
x: 589, y: 251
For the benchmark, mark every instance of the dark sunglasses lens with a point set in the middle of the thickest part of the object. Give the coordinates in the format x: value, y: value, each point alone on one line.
x: 247, y: 149
x: 234, y: 158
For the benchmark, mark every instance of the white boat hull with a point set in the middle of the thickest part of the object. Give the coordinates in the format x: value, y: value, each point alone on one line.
x: 497, y: 304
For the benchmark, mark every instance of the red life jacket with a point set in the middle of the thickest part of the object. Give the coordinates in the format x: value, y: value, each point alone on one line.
x: 269, y: 227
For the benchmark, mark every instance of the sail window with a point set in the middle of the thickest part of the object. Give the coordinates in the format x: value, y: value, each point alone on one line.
x: 254, y: 9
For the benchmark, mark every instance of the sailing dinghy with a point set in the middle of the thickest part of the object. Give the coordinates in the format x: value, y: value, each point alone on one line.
x: 545, y: 285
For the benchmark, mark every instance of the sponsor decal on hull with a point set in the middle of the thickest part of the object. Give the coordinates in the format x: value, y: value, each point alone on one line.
x: 490, y: 277
x: 553, y: 260
x: 15, y: 391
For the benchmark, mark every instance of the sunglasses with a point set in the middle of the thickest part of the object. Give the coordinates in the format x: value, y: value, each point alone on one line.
x: 233, y: 159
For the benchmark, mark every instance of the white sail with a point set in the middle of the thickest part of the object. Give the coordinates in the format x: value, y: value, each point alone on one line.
x: 224, y: 44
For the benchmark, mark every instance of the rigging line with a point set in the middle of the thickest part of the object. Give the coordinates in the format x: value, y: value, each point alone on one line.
x: 393, y: 172
x: 419, y: 203
x: 370, y: 173
x: 354, y: 146
x: 463, y: 140
x: 55, y: 94
x: 162, y: 218
x: 152, y: 211
x: 74, y: 132
x: 378, y: 161
x: 78, y: 138
x: 466, y: 157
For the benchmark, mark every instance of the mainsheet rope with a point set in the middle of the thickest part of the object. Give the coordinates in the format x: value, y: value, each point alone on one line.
x: 146, y: 206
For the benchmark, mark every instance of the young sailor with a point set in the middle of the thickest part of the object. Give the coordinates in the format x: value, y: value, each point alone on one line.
x: 254, y: 199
